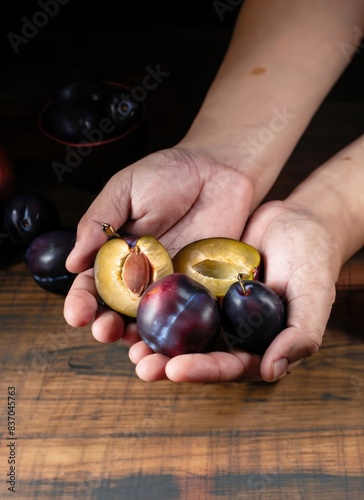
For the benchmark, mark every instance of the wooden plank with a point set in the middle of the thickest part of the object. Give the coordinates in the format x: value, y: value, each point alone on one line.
x: 86, y: 425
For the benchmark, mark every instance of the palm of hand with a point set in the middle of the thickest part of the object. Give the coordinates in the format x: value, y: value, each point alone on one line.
x: 177, y: 196
x: 300, y: 265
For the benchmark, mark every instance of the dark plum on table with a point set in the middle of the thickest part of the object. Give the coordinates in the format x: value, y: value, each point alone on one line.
x: 28, y: 215
x: 45, y: 259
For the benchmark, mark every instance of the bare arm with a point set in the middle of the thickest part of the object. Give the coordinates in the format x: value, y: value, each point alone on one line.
x: 283, y: 59
x: 334, y: 193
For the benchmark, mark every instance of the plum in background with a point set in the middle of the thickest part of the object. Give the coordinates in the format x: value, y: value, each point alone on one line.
x: 68, y: 75
x: 10, y: 253
x: 71, y: 123
x: 28, y: 215
x: 46, y: 258
x: 177, y: 315
x: 83, y: 92
x: 123, y: 110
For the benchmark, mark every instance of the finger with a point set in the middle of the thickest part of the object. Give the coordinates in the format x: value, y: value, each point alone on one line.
x: 303, y: 336
x: 81, y: 305
x: 111, y: 206
x: 152, y: 367
x: 213, y: 367
x: 108, y: 326
x: 131, y: 335
x: 139, y: 351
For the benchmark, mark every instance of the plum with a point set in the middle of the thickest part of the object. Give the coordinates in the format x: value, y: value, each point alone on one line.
x: 71, y: 123
x: 9, y: 251
x: 177, y: 315
x: 123, y: 110
x: 45, y: 259
x: 125, y: 266
x: 253, y: 314
x: 216, y: 262
x: 28, y: 215
x: 83, y: 92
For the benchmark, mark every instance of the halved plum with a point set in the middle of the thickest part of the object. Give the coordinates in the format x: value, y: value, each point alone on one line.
x: 124, y: 268
x: 216, y: 262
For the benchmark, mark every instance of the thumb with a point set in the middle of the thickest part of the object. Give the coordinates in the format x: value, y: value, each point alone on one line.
x: 111, y: 206
x: 308, y: 314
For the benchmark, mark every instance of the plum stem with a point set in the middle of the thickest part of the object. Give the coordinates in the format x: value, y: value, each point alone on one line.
x: 241, y: 280
x: 109, y: 230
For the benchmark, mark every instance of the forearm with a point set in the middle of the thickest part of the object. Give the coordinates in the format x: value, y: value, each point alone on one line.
x: 334, y: 193
x: 283, y: 59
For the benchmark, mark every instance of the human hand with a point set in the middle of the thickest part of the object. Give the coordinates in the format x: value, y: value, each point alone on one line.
x: 302, y: 266
x: 178, y: 195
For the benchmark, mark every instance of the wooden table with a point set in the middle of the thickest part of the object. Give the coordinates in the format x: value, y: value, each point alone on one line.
x: 87, y: 427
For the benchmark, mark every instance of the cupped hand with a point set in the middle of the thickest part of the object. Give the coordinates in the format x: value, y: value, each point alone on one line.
x: 178, y: 196
x: 302, y: 263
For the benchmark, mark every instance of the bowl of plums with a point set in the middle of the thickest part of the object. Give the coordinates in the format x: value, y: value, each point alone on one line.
x: 93, y: 128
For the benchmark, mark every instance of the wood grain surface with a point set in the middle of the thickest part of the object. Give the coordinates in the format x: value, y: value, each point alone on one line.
x: 86, y: 426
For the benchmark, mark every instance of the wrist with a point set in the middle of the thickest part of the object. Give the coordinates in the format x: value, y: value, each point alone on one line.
x: 258, y: 148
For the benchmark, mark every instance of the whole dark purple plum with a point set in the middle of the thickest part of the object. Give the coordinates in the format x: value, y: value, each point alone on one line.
x: 46, y: 257
x: 252, y: 316
x: 66, y: 76
x: 83, y: 92
x: 9, y: 251
x: 72, y: 123
x: 177, y: 315
x: 28, y: 215
x: 123, y: 110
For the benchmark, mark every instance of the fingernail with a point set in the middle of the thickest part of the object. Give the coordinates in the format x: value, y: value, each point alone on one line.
x: 279, y: 368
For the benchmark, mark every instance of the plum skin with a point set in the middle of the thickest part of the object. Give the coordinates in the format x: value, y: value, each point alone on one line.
x: 177, y: 315
x: 29, y: 215
x: 45, y: 259
x: 253, y: 314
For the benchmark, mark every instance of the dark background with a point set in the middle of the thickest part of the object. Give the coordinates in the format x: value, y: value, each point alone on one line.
x: 111, y: 33
x: 117, y: 40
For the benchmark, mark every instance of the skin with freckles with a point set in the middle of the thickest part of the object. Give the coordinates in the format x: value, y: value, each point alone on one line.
x: 283, y: 59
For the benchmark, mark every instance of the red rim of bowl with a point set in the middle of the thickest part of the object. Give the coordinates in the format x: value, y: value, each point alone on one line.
x: 85, y: 143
